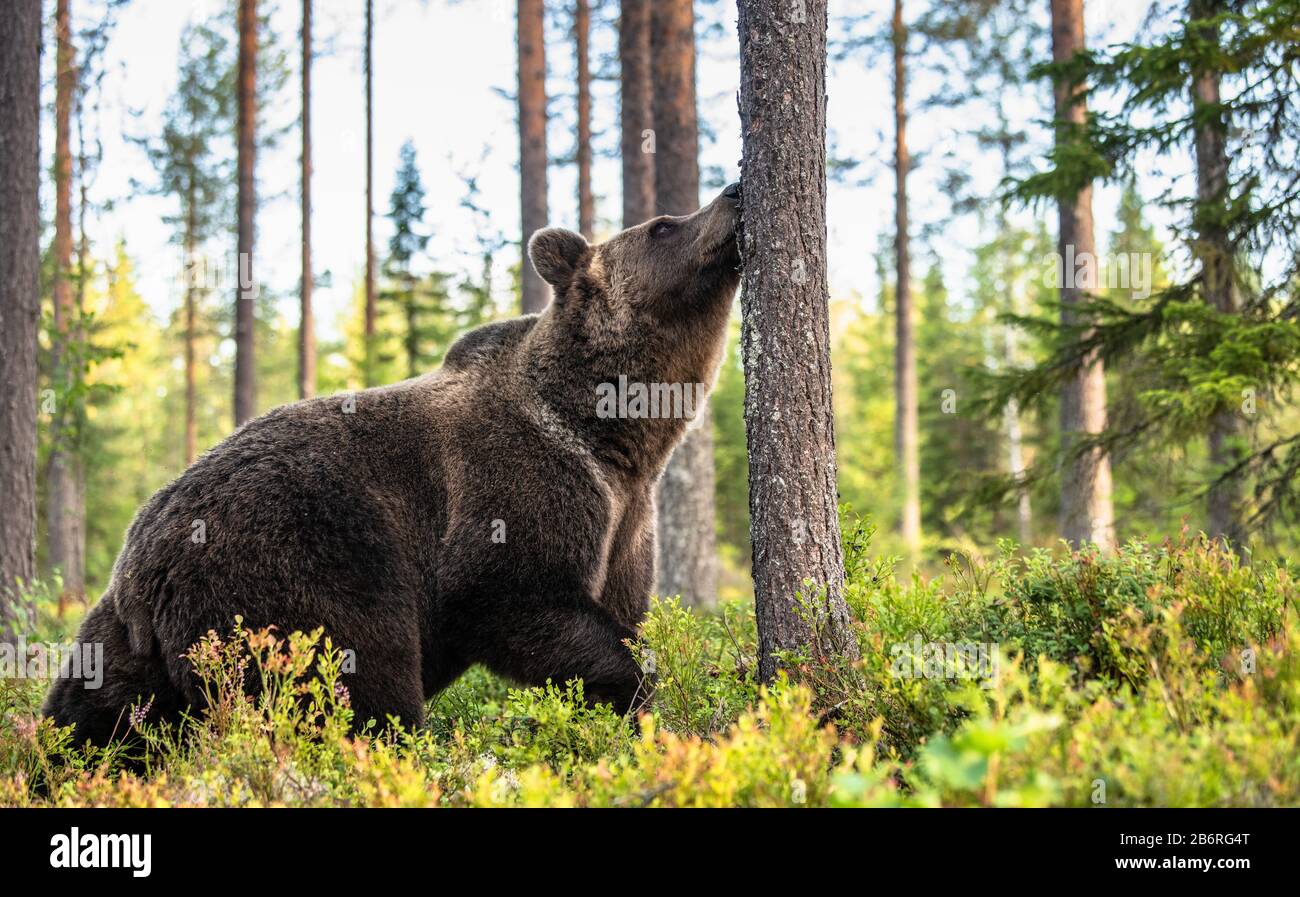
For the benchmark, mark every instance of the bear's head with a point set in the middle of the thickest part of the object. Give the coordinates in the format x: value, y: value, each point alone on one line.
x: 649, y: 304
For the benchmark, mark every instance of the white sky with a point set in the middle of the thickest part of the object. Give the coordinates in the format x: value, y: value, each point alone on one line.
x: 439, y: 67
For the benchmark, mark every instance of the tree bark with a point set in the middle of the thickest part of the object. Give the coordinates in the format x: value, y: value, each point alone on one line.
x: 61, y: 501
x: 1216, y: 253
x: 636, y: 112
x: 306, y: 320
x: 532, y: 145
x: 1011, y: 350
x: 246, y: 126
x: 74, y: 584
x: 20, y: 89
x: 369, y: 326
x: 789, y: 419
x: 1086, y: 513
x: 1016, y: 462
x: 687, y: 563
x: 677, y: 144
x: 907, y: 441
x: 191, y: 320
x: 582, y: 40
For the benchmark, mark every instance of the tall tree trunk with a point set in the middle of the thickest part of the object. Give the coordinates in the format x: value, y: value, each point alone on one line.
x: 1016, y: 463
x: 582, y: 39
x: 789, y: 420
x: 636, y: 112
x: 532, y: 145
x: 61, y: 502
x: 687, y: 563
x: 306, y: 321
x: 672, y: 74
x: 1215, y: 252
x: 1086, y: 511
x: 369, y: 373
x: 246, y: 125
x: 1011, y: 352
x: 907, y: 441
x: 74, y: 582
x: 191, y: 320
x: 20, y: 99
x: 191, y: 390
x: 1011, y: 412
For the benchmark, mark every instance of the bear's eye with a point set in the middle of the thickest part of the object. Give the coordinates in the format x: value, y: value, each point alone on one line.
x: 662, y: 228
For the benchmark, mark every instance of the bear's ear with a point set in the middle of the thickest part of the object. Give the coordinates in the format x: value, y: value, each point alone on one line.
x: 556, y: 254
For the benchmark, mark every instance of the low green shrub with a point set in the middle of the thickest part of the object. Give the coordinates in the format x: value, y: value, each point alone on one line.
x: 1160, y: 675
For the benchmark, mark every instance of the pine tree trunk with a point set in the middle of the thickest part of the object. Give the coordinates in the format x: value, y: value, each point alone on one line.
x: 1215, y: 253
x: 687, y: 563
x: 1011, y: 413
x: 636, y: 112
x: 907, y: 441
x: 1011, y: 353
x: 61, y: 501
x: 672, y: 72
x: 191, y: 317
x: 306, y: 320
x: 74, y: 580
x: 246, y: 127
x: 532, y: 145
x: 1016, y: 467
x: 789, y: 420
x: 582, y: 40
x: 1086, y: 511
x: 369, y: 325
x: 20, y: 88
x: 191, y: 389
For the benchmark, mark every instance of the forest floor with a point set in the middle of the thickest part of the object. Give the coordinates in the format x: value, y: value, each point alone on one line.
x: 1165, y: 675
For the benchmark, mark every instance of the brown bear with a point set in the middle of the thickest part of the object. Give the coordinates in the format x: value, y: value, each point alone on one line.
x: 489, y: 512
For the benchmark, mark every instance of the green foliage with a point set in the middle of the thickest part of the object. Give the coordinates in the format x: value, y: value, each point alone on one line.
x: 862, y: 389
x: 956, y: 446
x: 1164, y: 675
x: 1220, y: 344
x: 422, y: 311
x: 420, y: 300
x: 702, y: 664
x: 731, y: 459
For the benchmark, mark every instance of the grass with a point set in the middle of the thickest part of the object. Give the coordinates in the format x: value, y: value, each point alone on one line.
x: 1165, y: 675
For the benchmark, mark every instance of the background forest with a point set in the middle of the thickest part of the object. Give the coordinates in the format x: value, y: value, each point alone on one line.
x: 150, y: 328
x: 1062, y: 306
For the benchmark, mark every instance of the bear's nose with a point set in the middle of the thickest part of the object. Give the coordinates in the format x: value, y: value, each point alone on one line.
x: 732, y: 191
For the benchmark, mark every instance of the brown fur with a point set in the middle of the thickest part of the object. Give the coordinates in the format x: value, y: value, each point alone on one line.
x: 378, y: 524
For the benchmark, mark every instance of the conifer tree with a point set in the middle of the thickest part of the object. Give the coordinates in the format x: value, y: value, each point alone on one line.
x: 420, y: 300
x: 1214, y: 346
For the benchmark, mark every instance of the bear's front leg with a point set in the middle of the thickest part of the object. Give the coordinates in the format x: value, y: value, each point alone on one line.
x: 521, y: 569
x: 537, y: 639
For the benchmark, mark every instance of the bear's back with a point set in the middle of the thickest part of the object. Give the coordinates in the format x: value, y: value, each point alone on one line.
x: 488, y: 344
x: 339, y: 494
